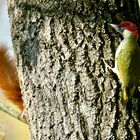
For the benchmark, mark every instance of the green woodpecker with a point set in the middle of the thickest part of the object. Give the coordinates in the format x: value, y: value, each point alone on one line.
x: 127, y: 59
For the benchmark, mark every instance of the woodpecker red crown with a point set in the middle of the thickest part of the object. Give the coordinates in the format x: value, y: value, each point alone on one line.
x: 130, y: 27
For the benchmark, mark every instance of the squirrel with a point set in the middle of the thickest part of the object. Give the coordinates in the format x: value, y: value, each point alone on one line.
x: 9, y: 81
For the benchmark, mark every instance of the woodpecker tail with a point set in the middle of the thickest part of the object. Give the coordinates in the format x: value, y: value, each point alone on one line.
x: 9, y: 82
x: 124, y: 95
x: 127, y: 94
x: 126, y: 100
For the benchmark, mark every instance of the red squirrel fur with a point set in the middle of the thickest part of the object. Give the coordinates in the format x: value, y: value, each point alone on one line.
x: 9, y: 82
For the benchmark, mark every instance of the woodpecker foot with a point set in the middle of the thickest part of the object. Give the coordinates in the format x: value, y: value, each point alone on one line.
x: 137, y: 93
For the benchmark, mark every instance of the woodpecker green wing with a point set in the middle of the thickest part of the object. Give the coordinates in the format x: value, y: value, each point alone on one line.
x: 128, y: 63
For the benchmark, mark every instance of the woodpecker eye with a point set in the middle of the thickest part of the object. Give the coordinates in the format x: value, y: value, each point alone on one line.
x: 121, y: 29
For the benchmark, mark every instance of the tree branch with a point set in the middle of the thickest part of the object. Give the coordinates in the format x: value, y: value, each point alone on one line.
x: 5, y: 108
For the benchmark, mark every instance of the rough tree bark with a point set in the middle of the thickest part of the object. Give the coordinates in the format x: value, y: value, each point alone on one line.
x: 67, y: 91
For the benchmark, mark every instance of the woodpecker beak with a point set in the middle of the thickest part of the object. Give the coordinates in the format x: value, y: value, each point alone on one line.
x: 117, y: 28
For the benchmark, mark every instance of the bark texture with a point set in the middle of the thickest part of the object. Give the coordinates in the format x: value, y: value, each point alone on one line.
x: 68, y: 93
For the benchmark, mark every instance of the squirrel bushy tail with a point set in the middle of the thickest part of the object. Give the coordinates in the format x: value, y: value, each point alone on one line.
x: 9, y: 81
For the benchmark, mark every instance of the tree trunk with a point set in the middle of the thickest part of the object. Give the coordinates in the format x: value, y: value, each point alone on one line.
x: 68, y: 93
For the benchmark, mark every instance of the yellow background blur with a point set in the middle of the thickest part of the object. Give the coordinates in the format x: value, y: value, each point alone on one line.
x: 11, y: 128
